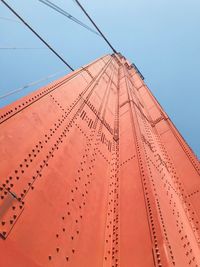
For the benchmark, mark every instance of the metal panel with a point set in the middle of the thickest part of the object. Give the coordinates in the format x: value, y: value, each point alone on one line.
x: 93, y: 173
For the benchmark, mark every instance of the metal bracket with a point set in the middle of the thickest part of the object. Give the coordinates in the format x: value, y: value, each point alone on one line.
x: 10, y: 210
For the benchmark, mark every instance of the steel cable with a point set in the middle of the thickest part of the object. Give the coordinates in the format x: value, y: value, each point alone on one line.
x: 30, y: 28
x: 92, y: 21
x: 66, y: 14
x: 30, y: 85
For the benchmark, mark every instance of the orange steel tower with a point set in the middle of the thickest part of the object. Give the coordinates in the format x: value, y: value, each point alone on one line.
x: 94, y: 174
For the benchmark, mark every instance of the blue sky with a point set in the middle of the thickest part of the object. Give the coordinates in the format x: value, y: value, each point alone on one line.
x: 160, y: 36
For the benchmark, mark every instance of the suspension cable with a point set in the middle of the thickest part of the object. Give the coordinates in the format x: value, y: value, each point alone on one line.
x: 30, y: 84
x: 30, y: 28
x: 84, y: 11
x: 21, y: 48
x: 66, y: 14
x: 10, y: 19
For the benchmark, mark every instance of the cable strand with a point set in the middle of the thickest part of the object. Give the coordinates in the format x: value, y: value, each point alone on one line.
x: 30, y: 84
x: 30, y: 28
x: 66, y: 14
x: 88, y: 16
x: 22, y: 48
x: 10, y: 19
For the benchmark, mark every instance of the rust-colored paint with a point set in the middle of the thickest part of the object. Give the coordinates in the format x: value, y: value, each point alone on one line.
x: 94, y: 174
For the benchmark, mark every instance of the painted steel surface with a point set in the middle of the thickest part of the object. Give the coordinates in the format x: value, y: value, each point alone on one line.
x: 94, y: 174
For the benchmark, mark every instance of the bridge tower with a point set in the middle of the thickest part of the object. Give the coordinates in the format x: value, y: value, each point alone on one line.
x: 93, y: 173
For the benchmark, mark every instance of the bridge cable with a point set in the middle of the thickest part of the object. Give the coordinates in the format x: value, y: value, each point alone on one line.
x: 30, y: 28
x: 21, y: 48
x: 66, y: 14
x: 30, y: 84
x: 92, y: 21
x: 10, y: 19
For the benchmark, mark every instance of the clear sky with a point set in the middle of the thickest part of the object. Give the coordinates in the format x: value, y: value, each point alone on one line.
x: 162, y: 37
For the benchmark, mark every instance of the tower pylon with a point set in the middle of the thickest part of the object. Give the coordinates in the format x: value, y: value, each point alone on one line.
x: 93, y: 173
